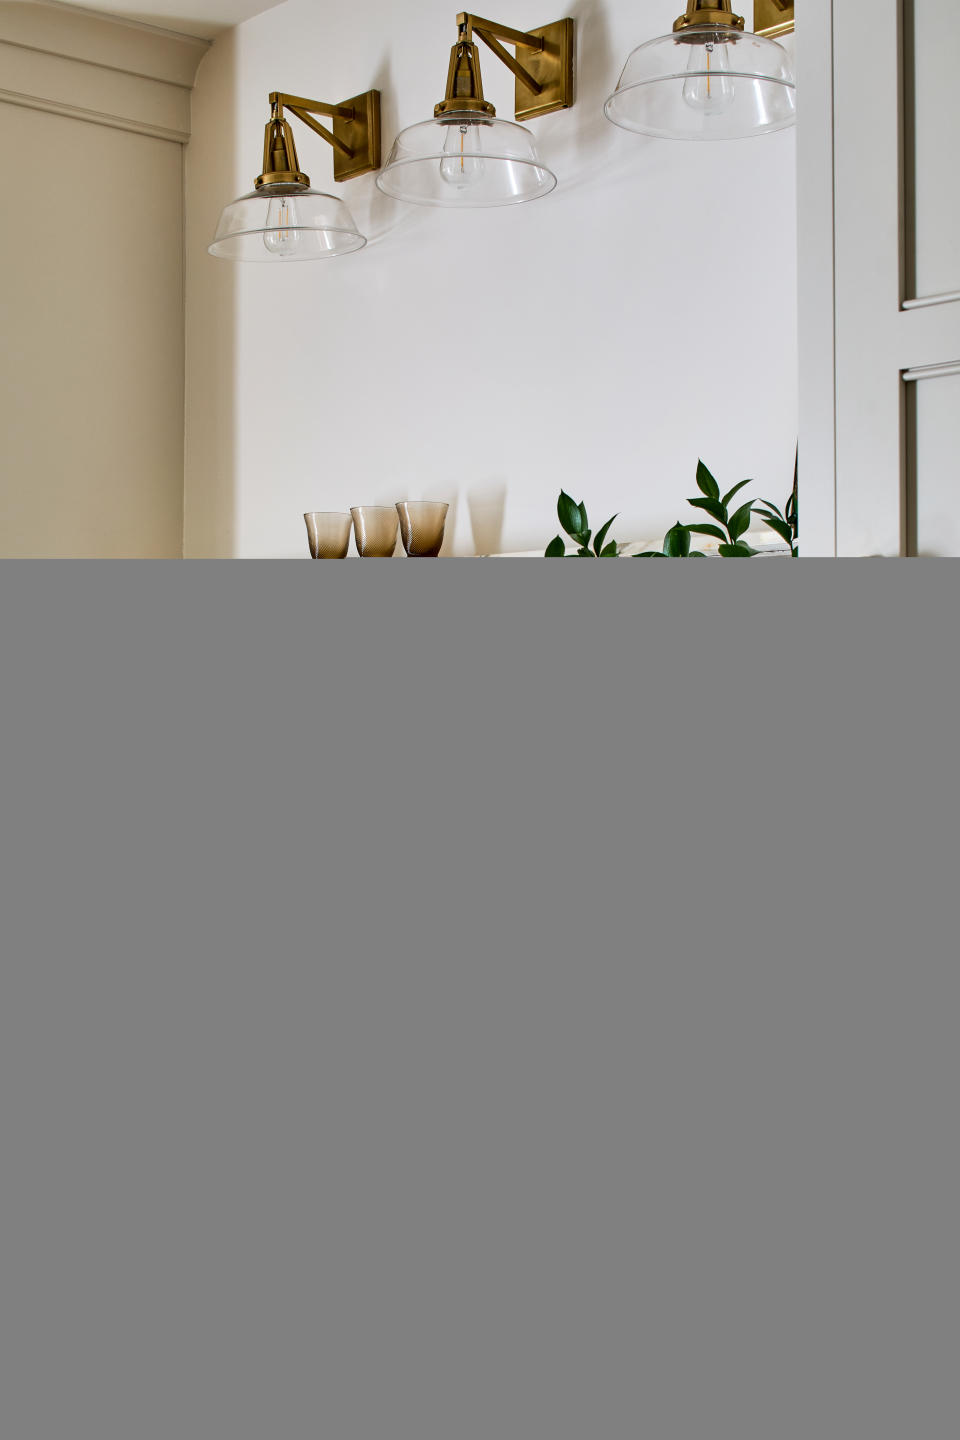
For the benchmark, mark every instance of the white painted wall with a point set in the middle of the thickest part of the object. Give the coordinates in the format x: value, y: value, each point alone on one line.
x: 816, y: 337
x: 601, y: 339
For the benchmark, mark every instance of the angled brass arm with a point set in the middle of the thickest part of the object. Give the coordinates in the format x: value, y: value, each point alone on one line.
x: 355, y: 136
x: 467, y: 23
x: 509, y: 60
x: 491, y: 34
x: 301, y: 106
x: 317, y: 107
x: 320, y: 130
x: 545, y: 81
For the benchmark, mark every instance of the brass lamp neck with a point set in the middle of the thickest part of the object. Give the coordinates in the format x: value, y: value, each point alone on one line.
x: 280, y: 163
x: 717, y: 13
x: 464, y: 83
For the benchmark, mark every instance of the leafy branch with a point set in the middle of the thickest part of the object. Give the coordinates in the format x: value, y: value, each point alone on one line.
x: 727, y: 524
x: 718, y: 507
x: 786, y: 522
x: 575, y: 522
x: 676, y: 546
x: 677, y: 543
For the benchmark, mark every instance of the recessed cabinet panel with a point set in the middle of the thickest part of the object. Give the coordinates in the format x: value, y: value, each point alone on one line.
x: 937, y: 466
x: 932, y: 136
x: 91, y: 320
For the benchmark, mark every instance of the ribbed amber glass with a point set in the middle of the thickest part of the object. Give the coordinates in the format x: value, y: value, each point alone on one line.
x: 422, y: 524
x: 375, y: 527
x: 328, y: 532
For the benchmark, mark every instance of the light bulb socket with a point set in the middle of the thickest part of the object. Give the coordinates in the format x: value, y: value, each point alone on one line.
x: 464, y: 84
x: 280, y: 163
x: 710, y: 13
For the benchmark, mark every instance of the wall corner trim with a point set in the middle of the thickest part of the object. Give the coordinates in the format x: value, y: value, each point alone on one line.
x: 109, y: 41
x: 85, y: 64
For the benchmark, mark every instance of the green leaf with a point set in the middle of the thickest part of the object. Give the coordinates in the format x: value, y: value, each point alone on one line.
x: 610, y: 552
x: 568, y: 512
x: 780, y: 526
x: 707, y: 530
x: 740, y: 521
x: 712, y: 507
x: 676, y: 544
x: 706, y: 483
x: 584, y: 522
x: 791, y: 512
x: 585, y: 550
x: 583, y: 538
x: 602, y: 534
x: 555, y: 549
x: 737, y: 551
x: 775, y: 508
x: 735, y: 491
x: 650, y: 555
x: 697, y: 555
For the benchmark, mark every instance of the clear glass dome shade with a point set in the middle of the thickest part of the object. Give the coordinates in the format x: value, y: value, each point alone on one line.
x: 286, y: 222
x: 465, y: 161
x: 705, y: 83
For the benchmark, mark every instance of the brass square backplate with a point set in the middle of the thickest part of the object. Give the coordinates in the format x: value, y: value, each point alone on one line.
x: 551, y: 67
x: 362, y: 134
x: 772, y: 17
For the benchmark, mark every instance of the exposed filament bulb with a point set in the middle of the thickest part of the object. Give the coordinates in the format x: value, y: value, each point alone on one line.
x: 709, y: 85
x: 281, y: 235
x: 461, y: 166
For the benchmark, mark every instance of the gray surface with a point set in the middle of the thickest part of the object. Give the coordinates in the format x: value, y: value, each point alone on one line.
x: 478, y: 1002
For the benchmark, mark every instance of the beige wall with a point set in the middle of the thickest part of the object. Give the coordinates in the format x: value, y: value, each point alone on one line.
x: 91, y: 369
x: 210, y: 448
x: 91, y: 286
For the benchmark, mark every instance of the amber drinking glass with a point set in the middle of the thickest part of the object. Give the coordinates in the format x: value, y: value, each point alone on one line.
x: 421, y: 525
x: 329, y: 533
x: 375, y: 527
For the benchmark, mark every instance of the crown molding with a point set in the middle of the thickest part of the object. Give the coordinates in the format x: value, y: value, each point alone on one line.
x: 105, y: 41
x: 131, y: 122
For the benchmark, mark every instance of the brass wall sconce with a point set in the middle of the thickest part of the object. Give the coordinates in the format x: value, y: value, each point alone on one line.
x: 711, y: 79
x: 773, y: 18
x: 282, y: 218
x: 465, y: 158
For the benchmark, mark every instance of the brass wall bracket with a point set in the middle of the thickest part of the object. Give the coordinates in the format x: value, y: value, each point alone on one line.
x: 361, y: 136
x: 355, y: 136
x: 773, y: 18
x: 545, y: 74
x: 552, y: 69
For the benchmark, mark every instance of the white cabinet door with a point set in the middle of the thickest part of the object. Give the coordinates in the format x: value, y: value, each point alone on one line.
x: 894, y: 354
